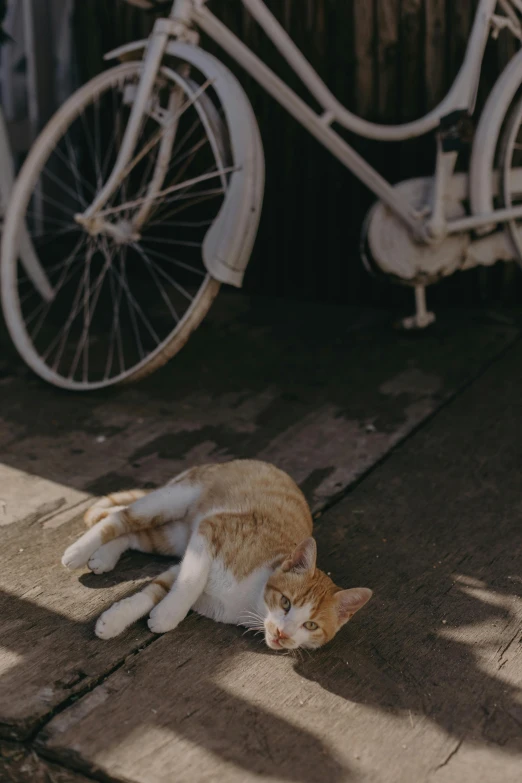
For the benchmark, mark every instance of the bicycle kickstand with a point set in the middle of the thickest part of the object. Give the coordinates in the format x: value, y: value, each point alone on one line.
x: 423, y: 317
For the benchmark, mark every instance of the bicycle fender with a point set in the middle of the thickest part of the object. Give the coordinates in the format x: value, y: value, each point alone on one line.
x: 120, y: 52
x: 482, y: 164
x: 229, y: 241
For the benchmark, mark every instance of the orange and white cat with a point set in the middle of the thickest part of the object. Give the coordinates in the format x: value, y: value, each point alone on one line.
x: 243, y: 531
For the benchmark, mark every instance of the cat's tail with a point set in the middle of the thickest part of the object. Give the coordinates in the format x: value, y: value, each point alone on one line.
x: 106, y: 505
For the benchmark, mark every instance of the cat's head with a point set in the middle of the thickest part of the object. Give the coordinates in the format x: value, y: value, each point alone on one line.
x: 304, y: 608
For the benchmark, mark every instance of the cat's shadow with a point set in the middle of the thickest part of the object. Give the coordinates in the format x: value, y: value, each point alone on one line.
x: 395, y: 662
x: 133, y: 567
x: 416, y: 671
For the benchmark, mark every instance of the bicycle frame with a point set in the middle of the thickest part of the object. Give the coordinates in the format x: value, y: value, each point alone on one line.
x: 462, y: 97
x: 426, y: 228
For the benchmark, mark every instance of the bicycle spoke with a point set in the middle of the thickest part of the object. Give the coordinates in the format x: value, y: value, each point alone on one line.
x: 57, y: 288
x: 90, y: 147
x: 49, y: 270
x: 132, y: 315
x: 97, y: 149
x: 156, y: 138
x: 186, y: 186
x: 115, y: 336
x: 207, y: 196
x: 81, y: 182
x: 112, y: 144
x: 60, y: 184
x: 56, y: 204
x: 83, y: 343
x: 161, y: 193
x: 163, y: 293
x: 177, y: 149
x: 190, y: 155
x: 132, y: 300
x: 90, y: 302
x: 181, y: 242
x: 181, y: 223
x: 176, y: 262
x: 195, y: 198
x: 61, y: 337
x: 144, y: 184
x: 171, y: 280
x: 42, y: 240
x: 56, y: 221
x: 188, y: 160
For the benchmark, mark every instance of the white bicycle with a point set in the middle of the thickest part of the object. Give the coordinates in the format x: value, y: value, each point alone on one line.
x: 143, y: 194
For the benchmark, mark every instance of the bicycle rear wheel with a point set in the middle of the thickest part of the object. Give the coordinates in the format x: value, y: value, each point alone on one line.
x: 510, y: 163
x: 124, y: 301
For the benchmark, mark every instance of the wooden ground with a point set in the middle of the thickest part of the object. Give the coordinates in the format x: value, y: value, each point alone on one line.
x: 409, y: 449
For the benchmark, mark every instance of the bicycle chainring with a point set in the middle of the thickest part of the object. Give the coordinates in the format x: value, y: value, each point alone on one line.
x: 396, y: 254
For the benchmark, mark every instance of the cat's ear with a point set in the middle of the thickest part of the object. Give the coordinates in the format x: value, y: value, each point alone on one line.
x: 302, y: 558
x: 350, y: 601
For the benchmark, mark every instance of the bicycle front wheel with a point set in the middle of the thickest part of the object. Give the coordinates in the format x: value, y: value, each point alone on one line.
x: 510, y: 164
x: 125, y: 298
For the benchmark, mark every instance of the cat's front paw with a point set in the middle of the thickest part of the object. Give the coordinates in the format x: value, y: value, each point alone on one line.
x: 103, y: 560
x: 75, y: 556
x: 111, y: 623
x: 163, y: 619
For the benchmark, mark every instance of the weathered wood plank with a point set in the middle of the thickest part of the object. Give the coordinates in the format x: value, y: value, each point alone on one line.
x: 25, y: 496
x: 460, y: 18
x: 436, y: 43
x: 411, y: 50
x: 364, y: 43
x: 423, y: 686
x: 20, y: 765
x: 325, y: 398
x: 48, y: 651
x: 340, y: 383
x: 388, y: 58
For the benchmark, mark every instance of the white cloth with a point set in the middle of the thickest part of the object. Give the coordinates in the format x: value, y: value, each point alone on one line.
x: 20, y: 60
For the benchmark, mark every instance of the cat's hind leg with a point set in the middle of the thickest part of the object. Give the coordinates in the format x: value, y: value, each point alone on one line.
x: 106, y: 556
x: 110, y: 503
x: 168, y: 504
x: 127, y: 611
x: 190, y: 584
x: 168, y: 539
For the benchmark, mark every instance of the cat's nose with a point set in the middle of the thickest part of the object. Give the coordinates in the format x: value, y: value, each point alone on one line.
x: 281, y: 634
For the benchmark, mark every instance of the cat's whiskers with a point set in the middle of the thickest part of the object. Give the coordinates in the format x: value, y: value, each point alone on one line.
x: 249, y: 613
x: 251, y: 620
x: 255, y: 629
x: 252, y: 623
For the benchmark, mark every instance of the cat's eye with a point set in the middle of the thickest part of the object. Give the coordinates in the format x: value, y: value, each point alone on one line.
x: 310, y: 626
x: 285, y: 603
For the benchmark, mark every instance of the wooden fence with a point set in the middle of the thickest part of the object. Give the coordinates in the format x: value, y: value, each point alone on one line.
x: 388, y: 60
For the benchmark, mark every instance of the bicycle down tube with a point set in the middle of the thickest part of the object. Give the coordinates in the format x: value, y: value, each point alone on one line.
x: 462, y: 96
x: 316, y: 125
